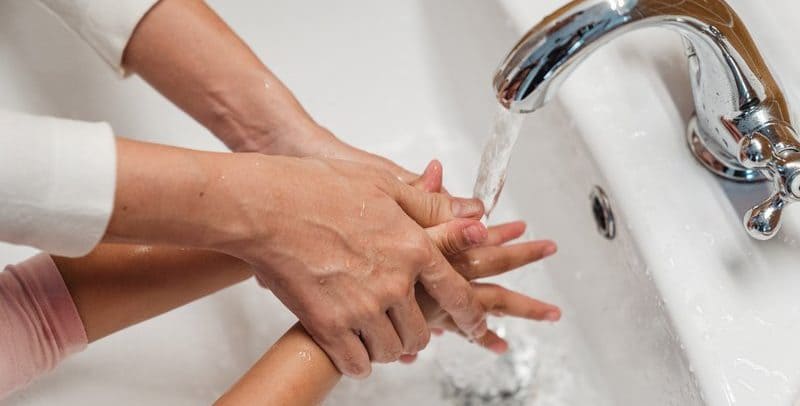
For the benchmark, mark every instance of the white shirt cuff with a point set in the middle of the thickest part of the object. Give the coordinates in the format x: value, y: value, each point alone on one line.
x: 57, y: 182
x: 105, y: 24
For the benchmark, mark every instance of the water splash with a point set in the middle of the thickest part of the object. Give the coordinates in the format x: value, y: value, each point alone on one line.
x: 496, y: 157
x: 473, y: 376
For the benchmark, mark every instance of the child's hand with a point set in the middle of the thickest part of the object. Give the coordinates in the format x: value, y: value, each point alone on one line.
x: 490, y: 259
x: 495, y: 258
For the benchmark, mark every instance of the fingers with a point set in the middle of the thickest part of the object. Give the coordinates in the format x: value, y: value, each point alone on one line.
x: 381, y: 340
x: 410, y: 325
x: 430, y: 209
x: 459, y: 235
x: 454, y: 295
x: 348, y: 354
x: 483, y: 262
x: 500, y: 301
x: 431, y: 179
x: 491, y: 341
x: 503, y: 233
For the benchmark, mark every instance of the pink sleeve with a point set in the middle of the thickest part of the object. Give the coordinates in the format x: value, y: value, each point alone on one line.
x: 39, y: 323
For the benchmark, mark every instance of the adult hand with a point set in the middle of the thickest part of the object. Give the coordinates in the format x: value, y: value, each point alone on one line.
x: 322, y: 143
x: 342, y: 245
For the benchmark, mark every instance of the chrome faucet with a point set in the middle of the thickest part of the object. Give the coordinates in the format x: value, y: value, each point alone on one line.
x: 742, y: 128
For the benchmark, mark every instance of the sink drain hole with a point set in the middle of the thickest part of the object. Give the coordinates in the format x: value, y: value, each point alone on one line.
x: 603, y: 215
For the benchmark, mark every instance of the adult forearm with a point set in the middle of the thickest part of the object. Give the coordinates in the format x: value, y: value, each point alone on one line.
x: 180, y: 197
x: 117, y: 286
x: 295, y: 371
x: 185, y: 51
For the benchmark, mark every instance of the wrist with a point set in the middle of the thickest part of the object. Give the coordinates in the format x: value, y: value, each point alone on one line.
x: 256, y: 113
x: 175, y: 196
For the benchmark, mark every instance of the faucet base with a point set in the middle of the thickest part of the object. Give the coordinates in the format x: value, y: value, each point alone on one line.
x: 710, y: 154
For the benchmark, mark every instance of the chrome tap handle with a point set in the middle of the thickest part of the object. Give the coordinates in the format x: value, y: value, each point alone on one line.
x: 758, y: 151
x: 763, y: 221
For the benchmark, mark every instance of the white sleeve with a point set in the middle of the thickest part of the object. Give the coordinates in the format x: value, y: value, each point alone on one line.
x: 57, y: 182
x: 107, y: 25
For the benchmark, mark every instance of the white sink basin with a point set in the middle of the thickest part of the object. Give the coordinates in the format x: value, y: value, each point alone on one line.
x: 682, y: 308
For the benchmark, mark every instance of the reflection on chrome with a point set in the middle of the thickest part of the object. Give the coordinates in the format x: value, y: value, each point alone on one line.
x: 742, y: 128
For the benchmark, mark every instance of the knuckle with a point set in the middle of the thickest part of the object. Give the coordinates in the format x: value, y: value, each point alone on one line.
x: 432, y: 208
x: 452, y: 243
x: 384, y: 179
x: 419, y: 250
x: 335, y: 324
x: 423, y: 339
x: 477, y: 319
x: 358, y: 370
x: 401, y: 291
x: 378, y: 356
x: 466, y: 301
x: 370, y: 309
x: 385, y: 174
x: 504, y: 262
x: 331, y: 329
x: 494, y: 294
x: 394, y: 352
x: 426, y: 339
x: 321, y: 323
x: 462, y: 297
x: 390, y: 353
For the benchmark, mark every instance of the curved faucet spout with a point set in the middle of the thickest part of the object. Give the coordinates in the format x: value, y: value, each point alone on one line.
x: 715, y: 36
x: 736, y: 96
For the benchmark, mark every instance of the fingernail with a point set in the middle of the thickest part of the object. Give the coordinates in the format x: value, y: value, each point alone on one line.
x: 553, y: 315
x: 476, y: 234
x: 432, y: 166
x: 550, y: 251
x: 499, y: 347
x: 408, y: 358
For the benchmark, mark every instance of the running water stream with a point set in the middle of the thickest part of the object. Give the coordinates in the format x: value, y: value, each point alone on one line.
x: 496, y: 157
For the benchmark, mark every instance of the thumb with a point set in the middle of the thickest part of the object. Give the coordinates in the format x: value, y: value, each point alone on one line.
x: 431, y: 209
x: 431, y: 179
x: 457, y: 236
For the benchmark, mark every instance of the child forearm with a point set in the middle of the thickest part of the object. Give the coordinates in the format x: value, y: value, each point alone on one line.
x: 295, y: 371
x: 117, y: 286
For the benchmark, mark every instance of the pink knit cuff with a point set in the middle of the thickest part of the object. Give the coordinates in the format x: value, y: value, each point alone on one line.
x: 39, y: 323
